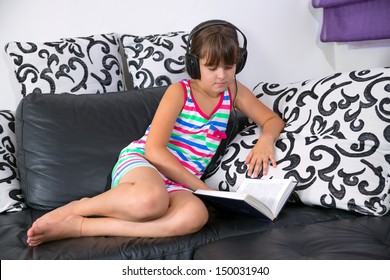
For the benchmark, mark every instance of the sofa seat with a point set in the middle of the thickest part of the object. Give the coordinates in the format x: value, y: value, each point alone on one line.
x: 364, y: 237
x: 299, y: 232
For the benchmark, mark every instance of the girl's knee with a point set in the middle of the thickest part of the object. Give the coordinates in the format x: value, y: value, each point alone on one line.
x: 199, y: 221
x: 190, y: 220
x: 147, y: 203
x: 152, y: 206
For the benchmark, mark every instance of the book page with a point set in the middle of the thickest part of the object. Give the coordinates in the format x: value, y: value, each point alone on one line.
x: 269, y: 192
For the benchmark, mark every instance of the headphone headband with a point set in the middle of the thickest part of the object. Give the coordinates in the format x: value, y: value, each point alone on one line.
x: 213, y: 22
x: 192, y: 62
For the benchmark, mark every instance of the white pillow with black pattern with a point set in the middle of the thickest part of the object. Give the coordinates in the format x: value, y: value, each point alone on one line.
x: 336, y: 142
x: 11, y: 199
x: 155, y: 60
x: 78, y: 65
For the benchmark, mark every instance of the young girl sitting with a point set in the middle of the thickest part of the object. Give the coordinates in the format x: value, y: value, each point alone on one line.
x: 153, y: 180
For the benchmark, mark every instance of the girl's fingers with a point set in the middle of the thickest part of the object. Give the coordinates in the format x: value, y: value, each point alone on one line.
x: 256, y: 166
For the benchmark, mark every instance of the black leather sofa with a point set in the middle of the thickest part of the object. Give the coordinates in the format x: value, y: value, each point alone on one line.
x: 67, y: 145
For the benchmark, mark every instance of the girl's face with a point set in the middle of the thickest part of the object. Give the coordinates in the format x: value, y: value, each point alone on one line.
x: 216, y: 78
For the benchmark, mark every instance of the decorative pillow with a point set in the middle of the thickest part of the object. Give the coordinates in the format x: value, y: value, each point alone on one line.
x: 336, y: 142
x: 74, y: 65
x: 156, y: 60
x: 11, y: 199
x: 229, y: 170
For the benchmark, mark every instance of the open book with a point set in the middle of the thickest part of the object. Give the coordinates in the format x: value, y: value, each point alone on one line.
x: 261, y: 198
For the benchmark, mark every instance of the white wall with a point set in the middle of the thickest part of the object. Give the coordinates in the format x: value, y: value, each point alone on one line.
x: 282, y: 34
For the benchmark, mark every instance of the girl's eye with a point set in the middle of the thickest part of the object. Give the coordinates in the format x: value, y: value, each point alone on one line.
x: 213, y: 68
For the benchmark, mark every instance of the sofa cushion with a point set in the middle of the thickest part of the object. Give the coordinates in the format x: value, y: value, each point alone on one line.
x: 90, y: 64
x: 11, y: 198
x: 155, y: 60
x: 68, y: 144
x: 336, y: 142
x: 221, y: 225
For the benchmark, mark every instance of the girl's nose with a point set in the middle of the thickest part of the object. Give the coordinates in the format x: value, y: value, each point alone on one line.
x: 221, y: 73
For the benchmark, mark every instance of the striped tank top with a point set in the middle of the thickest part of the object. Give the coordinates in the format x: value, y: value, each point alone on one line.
x: 195, y: 136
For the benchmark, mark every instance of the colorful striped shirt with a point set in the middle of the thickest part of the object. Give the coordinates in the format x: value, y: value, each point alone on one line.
x: 195, y: 136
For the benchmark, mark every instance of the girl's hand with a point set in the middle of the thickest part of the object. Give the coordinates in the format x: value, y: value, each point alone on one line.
x: 260, y: 156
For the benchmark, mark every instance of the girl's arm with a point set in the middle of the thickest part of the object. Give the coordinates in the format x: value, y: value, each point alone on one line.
x: 156, y: 151
x: 272, y: 125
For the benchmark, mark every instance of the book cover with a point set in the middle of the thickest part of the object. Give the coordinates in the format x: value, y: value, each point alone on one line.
x: 262, y: 199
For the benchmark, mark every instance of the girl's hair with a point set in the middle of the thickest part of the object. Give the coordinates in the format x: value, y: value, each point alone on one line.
x: 218, y: 44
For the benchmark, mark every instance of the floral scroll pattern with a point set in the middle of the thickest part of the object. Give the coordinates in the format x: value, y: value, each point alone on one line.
x: 11, y: 199
x: 156, y: 60
x: 75, y: 65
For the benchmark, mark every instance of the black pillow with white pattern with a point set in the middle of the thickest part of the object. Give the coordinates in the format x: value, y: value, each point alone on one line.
x: 11, y: 199
x: 336, y: 142
x: 78, y: 65
x: 155, y: 60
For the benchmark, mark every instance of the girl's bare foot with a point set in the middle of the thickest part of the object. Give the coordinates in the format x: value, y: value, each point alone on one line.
x: 43, y: 231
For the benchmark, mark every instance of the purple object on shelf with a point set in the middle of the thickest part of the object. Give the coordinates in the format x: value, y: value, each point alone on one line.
x: 354, y: 20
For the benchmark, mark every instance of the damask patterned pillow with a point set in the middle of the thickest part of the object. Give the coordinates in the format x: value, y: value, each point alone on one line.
x: 336, y: 142
x: 75, y: 65
x: 11, y: 199
x: 156, y: 60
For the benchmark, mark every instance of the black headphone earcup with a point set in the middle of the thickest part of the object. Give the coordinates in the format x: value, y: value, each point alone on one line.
x: 241, y: 64
x: 192, y: 66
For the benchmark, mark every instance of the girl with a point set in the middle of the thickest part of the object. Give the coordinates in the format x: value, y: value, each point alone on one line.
x: 154, y: 177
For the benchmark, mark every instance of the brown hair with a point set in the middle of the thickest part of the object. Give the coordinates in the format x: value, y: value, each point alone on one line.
x: 218, y: 44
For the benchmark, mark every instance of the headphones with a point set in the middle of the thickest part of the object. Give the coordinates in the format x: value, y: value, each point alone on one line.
x: 192, y: 62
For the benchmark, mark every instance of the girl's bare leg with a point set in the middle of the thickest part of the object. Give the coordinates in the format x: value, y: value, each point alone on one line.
x: 138, y: 189
x: 141, y: 195
x: 186, y: 214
